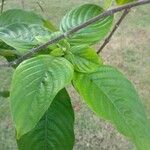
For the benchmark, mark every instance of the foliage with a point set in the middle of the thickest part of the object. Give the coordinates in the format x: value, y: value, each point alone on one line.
x: 40, y: 106
x: 55, y: 129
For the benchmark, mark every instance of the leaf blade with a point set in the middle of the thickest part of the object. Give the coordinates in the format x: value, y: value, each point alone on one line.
x: 91, y: 34
x: 111, y: 96
x: 35, y: 83
x: 22, y: 36
x: 12, y: 16
x: 58, y: 121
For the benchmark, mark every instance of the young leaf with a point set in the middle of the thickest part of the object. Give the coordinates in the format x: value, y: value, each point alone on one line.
x: 19, y: 16
x: 111, y: 96
x: 120, y: 2
x: 91, y: 34
x: 55, y: 131
x: 48, y: 24
x: 22, y: 36
x: 35, y: 83
x: 83, y: 58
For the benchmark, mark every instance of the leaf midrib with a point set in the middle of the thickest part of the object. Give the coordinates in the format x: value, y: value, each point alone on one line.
x: 114, y: 106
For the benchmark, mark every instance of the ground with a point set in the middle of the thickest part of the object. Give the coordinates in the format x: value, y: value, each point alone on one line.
x: 128, y: 50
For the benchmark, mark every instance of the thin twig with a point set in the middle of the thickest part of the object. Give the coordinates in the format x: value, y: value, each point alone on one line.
x: 2, y: 5
x: 23, y: 4
x: 31, y: 52
x: 106, y: 41
x: 40, y: 6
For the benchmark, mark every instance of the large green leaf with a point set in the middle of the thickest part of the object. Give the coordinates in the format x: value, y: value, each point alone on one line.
x: 83, y: 58
x: 19, y: 16
x: 111, y: 96
x: 35, y: 83
x: 120, y: 2
x: 22, y: 36
x: 91, y: 34
x: 55, y: 131
x: 18, y: 29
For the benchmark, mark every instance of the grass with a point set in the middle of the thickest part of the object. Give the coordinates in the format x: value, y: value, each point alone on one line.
x: 128, y: 50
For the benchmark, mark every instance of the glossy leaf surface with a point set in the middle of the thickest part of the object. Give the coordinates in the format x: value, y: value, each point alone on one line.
x: 35, y: 83
x: 111, y: 96
x: 22, y: 36
x: 13, y: 16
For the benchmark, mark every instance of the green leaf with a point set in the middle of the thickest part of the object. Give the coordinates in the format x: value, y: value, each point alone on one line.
x: 18, y: 29
x: 22, y: 36
x: 55, y: 131
x: 83, y: 58
x: 48, y: 24
x: 13, y: 16
x: 91, y: 34
x: 111, y: 96
x: 35, y: 83
x: 60, y: 47
x: 120, y: 2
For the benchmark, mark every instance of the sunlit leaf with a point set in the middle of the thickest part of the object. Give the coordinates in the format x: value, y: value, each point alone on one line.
x: 35, y: 83
x: 111, y: 96
x: 91, y: 34
x: 22, y: 36
x: 48, y: 24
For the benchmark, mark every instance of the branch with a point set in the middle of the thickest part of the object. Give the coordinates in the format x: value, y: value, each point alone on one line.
x: 31, y: 52
x: 2, y: 5
x: 124, y: 14
x: 40, y: 6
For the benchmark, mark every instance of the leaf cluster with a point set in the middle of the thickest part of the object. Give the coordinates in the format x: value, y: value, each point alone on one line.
x: 40, y: 105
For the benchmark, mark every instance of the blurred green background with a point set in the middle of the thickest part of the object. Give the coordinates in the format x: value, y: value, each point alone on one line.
x: 128, y: 50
